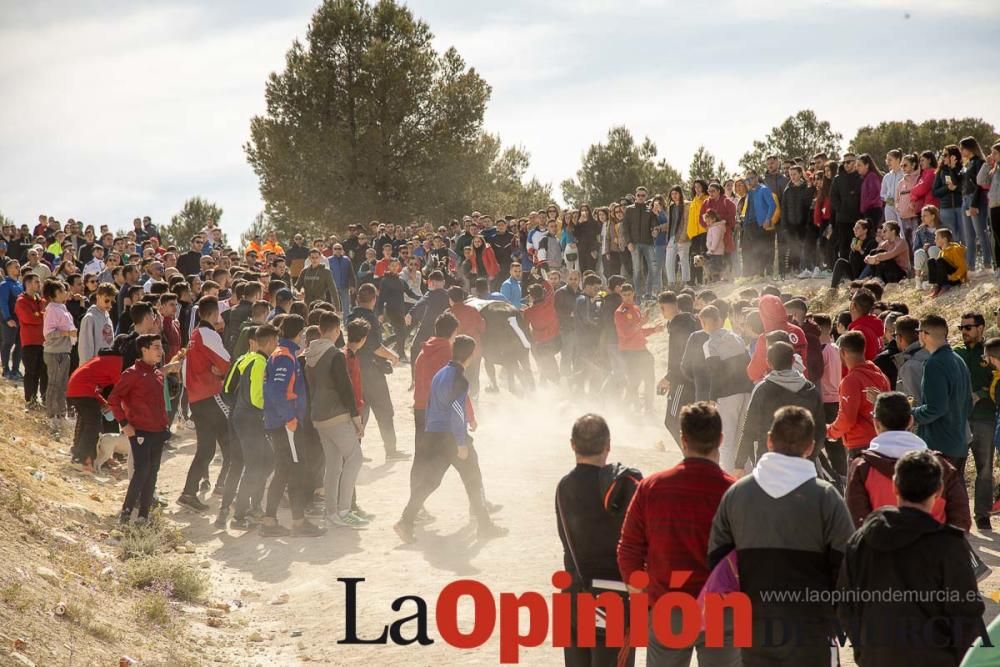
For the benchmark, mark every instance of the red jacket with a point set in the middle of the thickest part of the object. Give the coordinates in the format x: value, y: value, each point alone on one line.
x: 774, y: 317
x: 172, y: 334
x: 470, y: 322
x: 137, y: 399
x: 873, y: 329
x: 855, y: 423
x: 628, y: 326
x: 205, y: 353
x: 922, y: 194
x: 542, y: 317
x: 90, y: 379
x: 727, y: 211
x: 354, y: 370
x: 30, y: 313
x: 433, y: 356
x: 668, y: 523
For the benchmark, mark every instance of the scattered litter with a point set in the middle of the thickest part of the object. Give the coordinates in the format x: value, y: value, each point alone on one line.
x: 255, y: 636
x: 214, y: 622
x: 39, y: 475
x: 281, y: 599
x: 47, y: 573
x: 296, y: 633
x: 96, y: 497
x: 20, y: 644
x: 205, y: 564
x: 249, y: 594
x: 22, y: 659
x: 107, y: 572
x: 126, y: 661
x: 60, y: 609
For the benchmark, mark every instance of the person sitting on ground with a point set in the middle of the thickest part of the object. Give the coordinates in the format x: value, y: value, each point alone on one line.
x: 949, y: 269
x: 906, y: 548
x: 892, y: 261
x: 869, y: 482
x: 862, y: 245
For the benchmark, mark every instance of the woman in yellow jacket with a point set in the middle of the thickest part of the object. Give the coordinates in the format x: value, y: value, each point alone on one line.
x: 695, y: 229
x: 949, y: 268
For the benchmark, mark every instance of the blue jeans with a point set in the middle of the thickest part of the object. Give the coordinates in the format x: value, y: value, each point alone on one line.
x: 345, y: 299
x: 643, y: 250
x: 973, y: 229
x: 659, y: 261
x: 952, y: 219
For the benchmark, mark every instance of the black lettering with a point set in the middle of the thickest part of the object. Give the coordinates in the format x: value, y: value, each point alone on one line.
x: 351, y: 615
x: 396, y: 630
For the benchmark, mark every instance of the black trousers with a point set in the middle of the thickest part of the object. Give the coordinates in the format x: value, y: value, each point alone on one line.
x: 375, y: 389
x: 235, y: 472
x: 995, y: 227
x: 88, y: 428
x: 468, y: 469
x: 211, y: 426
x: 440, y: 452
x: 938, y: 271
x: 36, y: 376
x: 843, y: 234
x: 147, y: 449
x: 835, y: 450
x: 847, y: 269
x: 889, y: 272
x: 399, y: 332
x: 758, y: 250
x: 291, y: 471
x: 598, y: 656
x: 258, y: 460
x: 640, y: 372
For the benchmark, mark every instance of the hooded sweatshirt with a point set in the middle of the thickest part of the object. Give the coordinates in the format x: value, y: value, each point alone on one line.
x: 96, y: 333
x: 906, y: 549
x: 788, y: 529
x: 331, y: 394
x: 776, y: 390
x: 874, y: 331
x: 855, y: 423
x: 773, y: 316
x: 726, y: 358
x: 869, y: 481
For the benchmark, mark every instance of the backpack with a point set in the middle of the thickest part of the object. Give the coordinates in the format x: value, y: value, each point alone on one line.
x: 618, y: 484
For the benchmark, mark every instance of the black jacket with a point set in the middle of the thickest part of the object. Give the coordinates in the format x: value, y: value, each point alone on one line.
x: 845, y: 197
x: 503, y: 246
x: 969, y: 185
x: 189, y: 263
x: 565, y: 303
x: 949, y: 198
x: 906, y: 549
x: 588, y: 234
x: 767, y: 397
x: 694, y: 367
x: 639, y: 223
x: 678, y: 331
x: 886, y: 362
x: 795, y: 202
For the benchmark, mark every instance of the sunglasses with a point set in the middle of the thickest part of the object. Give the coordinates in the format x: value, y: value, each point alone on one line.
x: 966, y: 327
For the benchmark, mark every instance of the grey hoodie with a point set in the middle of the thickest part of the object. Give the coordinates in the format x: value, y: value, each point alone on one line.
x: 96, y: 333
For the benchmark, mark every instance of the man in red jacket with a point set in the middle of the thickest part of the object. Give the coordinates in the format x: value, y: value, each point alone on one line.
x: 632, y: 346
x: 774, y: 317
x: 138, y: 404
x: 668, y: 524
x: 543, y: 322
x: 85, y: 394
x: 30, y: 311
x: 471, y: 324
x: 855, y: 423
x: 433, y: 356
x: 862, y: 320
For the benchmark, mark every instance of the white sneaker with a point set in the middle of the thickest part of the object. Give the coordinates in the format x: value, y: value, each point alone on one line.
x: 805, y: 273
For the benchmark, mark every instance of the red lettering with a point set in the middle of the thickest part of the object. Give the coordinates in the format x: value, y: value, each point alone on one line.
x: 586, y: 619
x: 638, y: 604
x: 715, y: 622
x: 511, y: 638
x: 484, y: 615
x: 562, y: 622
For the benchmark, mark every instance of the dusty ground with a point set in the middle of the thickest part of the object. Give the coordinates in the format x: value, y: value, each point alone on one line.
x: 523, y: 447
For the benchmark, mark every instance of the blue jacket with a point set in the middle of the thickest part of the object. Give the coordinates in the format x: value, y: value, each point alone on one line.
x: 511, y: 291
x: 284, y: 387
x: 762, y: 203
x: 446, y: 403
x: 343, y: 272
x: 10, y: 289
x: 942, y: 420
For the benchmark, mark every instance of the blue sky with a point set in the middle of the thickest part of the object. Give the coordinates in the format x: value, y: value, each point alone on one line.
x: 115, y: 109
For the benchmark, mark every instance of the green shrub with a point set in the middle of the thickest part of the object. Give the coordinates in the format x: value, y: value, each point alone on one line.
x: 173, y: 577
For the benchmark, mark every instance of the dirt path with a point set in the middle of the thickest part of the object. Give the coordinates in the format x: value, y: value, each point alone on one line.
x: 524, y: 449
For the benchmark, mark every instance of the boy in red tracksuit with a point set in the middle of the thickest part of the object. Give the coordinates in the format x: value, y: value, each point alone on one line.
x: 632, y: 346
x: 862, y: 320
x: 85, y: 394
x: 543, y: 322
x: 774, y: 317
x: 30, y: 311
x: 855, y: 423
x: 471, y: 324
x: 139, y: 405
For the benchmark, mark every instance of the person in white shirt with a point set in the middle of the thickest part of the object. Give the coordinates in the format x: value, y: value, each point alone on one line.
x: 892, y: 177
x: 96, y: 265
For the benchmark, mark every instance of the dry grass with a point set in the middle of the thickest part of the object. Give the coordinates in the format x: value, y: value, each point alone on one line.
x: 169, y: 575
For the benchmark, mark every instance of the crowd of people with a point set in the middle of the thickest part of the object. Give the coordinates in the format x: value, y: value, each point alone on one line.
x: 277, y: 357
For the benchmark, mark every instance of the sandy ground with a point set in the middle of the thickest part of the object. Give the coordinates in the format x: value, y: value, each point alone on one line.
x: 523, y: 446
